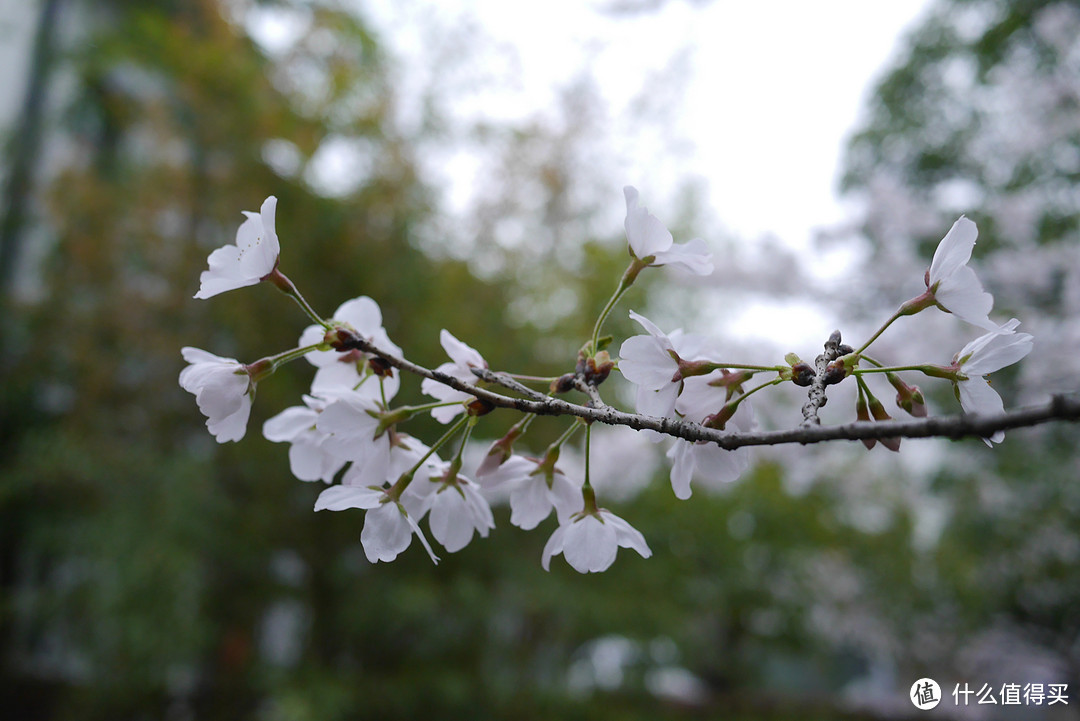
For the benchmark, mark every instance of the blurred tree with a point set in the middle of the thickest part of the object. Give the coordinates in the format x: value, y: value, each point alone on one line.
x: 979, y: 116
x: 149, y: 572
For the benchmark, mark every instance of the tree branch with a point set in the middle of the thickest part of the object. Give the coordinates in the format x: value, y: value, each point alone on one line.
x: 1062, y: 407
x: 815, y: 397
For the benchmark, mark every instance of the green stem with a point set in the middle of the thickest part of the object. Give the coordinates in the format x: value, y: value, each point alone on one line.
x: 286, y: 286
x: 429, y: 406
x: 470, y: 424
x: 587, y: 486
x: 566, y: 435
x: 627, y: 280
x: 406, y: 478
x: 892, y: 319
x: 743, y: 367
x: 930, y: 370
x: 755, y: 389
x: 266, y: 366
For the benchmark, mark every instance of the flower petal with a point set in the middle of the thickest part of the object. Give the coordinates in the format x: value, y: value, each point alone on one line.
x: 387, y: 532
x: 626, y: 535
x: 976, y: 396
x: 645, y: 233
x: 954, y: 250
x: 553, y: 547
x: 590, y: 545
x: 692, y: 255
x: 682, y: 468
x: 340, y: 498
x: 530, y: 503
x: 646, y: 363
x: 288, y: 424
x: 962, y: 294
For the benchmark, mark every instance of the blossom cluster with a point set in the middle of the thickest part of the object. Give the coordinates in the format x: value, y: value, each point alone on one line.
x: 348, y: 434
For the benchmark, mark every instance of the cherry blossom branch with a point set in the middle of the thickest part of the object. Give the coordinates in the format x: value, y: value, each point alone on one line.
x: 348, y: 427
x: 1062, y: 407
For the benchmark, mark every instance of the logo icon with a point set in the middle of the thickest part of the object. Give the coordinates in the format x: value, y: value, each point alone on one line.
x: 925, y: 694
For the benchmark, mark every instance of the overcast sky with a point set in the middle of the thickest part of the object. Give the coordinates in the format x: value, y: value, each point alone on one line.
x: 759, y: 95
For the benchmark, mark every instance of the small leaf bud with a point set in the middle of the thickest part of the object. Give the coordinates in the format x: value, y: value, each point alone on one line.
x: 479, y: 407
x: 598, y: 368
x: 802, y: 374
x: 380, y: 367
x: 341, y: 338
x: 835, y: 372
x: 563, y: 383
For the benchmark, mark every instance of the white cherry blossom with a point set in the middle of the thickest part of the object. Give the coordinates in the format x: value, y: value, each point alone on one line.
x: 952, y: 283
x: 388, y: 527
x: 250, y: 260
x: 651, y: 362
x: 352, y: 428
x: 590, y: 541
x: 462, y: 358
x: 649, y: 238
x: 709, y: 461
x: 988, y: 353
x: 308, y: 459
x: 458, y: 510
x: 223, y: 390
x: 536, y: 489
x: 349, y: 369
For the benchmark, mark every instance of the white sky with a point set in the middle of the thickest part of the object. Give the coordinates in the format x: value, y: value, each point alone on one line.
x: 769, y: 90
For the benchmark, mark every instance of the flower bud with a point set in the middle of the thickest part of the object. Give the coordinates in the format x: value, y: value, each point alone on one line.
x: 499, y: 451
x: 877, y: 410
x: 910, y: 398
x: 732, y: 380
x: 719, y: 419
x: 862, y: 413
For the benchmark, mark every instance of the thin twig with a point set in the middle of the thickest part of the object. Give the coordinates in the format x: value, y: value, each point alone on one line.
x: 507, y: 382
x: 595, y: 401
x: 815, y: 397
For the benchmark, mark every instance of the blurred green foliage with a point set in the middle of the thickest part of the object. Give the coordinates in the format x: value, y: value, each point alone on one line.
x: 148, y: 573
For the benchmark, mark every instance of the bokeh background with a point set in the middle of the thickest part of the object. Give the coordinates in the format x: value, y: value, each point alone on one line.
x: 146, y: 572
